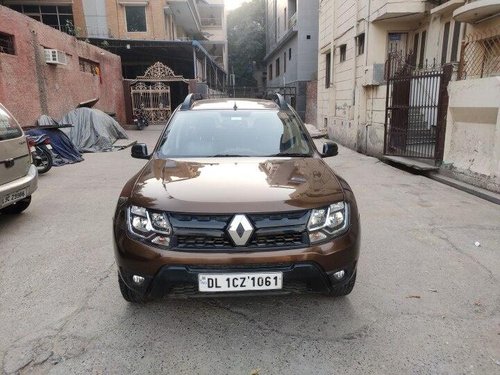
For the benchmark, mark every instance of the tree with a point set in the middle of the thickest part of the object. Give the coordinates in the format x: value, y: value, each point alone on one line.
x: 246, y: 34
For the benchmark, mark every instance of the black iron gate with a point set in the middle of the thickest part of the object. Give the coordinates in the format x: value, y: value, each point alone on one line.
x: 416, y: 107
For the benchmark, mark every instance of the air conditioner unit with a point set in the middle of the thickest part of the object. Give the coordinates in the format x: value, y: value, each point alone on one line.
x: 374, y: 75
x: 53, y: 56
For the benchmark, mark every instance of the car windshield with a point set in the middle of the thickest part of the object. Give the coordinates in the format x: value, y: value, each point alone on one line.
x: 8, y: 127
x: 228, y: 133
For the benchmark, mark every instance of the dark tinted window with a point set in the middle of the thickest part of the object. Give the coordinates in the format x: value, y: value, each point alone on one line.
x: 136, y: 18
x: 8, y: 127
x: 234, y: 133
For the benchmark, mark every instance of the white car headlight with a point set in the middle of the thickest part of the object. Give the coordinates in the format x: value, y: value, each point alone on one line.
x: 149, y: 225
x: 327, y: 223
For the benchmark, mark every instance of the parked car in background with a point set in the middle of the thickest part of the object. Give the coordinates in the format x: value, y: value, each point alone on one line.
x: 235, y: 199
x: 18, y: 176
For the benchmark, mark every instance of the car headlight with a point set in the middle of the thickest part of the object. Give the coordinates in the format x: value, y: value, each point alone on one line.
x: 149, y: 225
x: 329, y: 222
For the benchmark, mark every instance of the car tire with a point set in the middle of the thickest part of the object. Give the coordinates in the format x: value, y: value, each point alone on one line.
x: 128, y: 294
x: 343, y: 289
x: 18, y: 207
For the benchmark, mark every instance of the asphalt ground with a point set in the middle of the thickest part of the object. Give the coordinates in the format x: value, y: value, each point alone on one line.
x: 426, y: 300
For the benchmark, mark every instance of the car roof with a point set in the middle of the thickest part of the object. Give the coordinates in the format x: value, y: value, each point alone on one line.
x: 230, y: 103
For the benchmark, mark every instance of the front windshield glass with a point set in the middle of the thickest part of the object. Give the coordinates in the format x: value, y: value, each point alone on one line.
x: 226, y: 133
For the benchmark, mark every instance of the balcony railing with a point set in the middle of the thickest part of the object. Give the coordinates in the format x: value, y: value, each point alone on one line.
x: 293, y: 20
x: 480, y: 55
x: 211, y: 22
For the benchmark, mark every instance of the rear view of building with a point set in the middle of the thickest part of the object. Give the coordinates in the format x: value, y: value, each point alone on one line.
x: 291, y: 48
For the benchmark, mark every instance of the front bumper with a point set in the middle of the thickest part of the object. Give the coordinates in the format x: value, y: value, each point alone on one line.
x: 182, y: 281
x: 176, y: 272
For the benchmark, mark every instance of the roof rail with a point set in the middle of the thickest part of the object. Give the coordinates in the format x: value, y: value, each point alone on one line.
x: 279, y: 100
x: 190, y: 99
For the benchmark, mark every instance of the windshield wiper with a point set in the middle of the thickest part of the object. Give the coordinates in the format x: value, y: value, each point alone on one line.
x: 290, y: 154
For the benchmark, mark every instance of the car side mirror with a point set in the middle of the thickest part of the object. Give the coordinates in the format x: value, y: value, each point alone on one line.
x: 330, y: 149
x: 140, y: 151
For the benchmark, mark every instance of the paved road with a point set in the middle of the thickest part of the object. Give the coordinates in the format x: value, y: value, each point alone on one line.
x: 427, y: 299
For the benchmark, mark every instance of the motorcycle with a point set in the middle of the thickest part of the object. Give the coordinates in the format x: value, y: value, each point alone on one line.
x: 140, y: 119
x: 41, y: 152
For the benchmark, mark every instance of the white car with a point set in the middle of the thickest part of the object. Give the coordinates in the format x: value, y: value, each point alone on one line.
x: 18, y: 176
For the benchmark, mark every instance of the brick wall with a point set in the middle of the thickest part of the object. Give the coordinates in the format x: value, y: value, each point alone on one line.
x: 30, y: 87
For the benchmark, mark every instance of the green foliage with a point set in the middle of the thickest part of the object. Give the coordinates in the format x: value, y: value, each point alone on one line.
x: 246, y: 34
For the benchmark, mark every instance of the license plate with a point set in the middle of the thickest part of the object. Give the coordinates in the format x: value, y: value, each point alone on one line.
x: 233, y: 282
x: 12, y: 197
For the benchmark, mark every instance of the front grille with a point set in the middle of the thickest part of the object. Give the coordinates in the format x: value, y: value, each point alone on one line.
x: 202, y: 242
x: 191, y: 290
x: 208, y: 232
x: 278, y: 240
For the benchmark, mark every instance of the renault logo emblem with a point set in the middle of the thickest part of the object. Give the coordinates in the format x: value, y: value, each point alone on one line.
x: 240, y: 229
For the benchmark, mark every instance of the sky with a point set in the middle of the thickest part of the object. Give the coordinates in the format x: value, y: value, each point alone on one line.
x: 233, y: 4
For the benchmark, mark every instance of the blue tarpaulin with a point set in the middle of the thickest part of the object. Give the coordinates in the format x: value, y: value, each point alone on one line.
x: 62, y: 148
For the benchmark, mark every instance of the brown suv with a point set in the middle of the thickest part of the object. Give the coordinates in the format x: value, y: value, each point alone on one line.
x: 235, y: 199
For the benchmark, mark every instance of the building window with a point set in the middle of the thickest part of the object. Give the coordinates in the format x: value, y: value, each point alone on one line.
x: 89, y: 66
x: 277, y: 67
x: 415, y: 45
x: 450, y: 38
x: 328, y: 69
x: 7, y: 44
x: 455, y: 41
x: 136, y: 18
x: 270, y: 72
x: 57, y: 16
x: 446, y: 36
x: 289, y: 53
x: 285, y: 19
x: 284, y: 62
x: 343, y: 52
x: 308, y: 36
x: 360, y: 44
x: 422, y: 49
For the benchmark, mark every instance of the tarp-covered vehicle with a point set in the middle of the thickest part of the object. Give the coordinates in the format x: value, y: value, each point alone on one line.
x: 93, y: 130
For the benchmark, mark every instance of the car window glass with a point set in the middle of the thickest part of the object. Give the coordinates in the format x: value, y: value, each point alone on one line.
x: 234, y: 133
x: 8, y: 127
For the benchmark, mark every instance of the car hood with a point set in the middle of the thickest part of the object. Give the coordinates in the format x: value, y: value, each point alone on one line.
x: 229, y: 185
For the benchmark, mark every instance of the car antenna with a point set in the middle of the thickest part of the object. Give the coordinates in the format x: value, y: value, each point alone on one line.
x: 235, y: 106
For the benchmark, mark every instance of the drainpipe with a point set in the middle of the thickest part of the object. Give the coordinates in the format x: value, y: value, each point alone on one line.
x: 354, y: 80
x: 39, y: 64
x: 367, y: 36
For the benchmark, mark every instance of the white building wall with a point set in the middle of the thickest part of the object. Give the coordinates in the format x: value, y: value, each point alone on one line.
x: 301, y: 38
x: 353, y: 108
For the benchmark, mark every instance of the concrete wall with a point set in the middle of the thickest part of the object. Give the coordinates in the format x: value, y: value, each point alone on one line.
x: 29, y: 87
x: 312, y: 102
x: 472, y: 146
